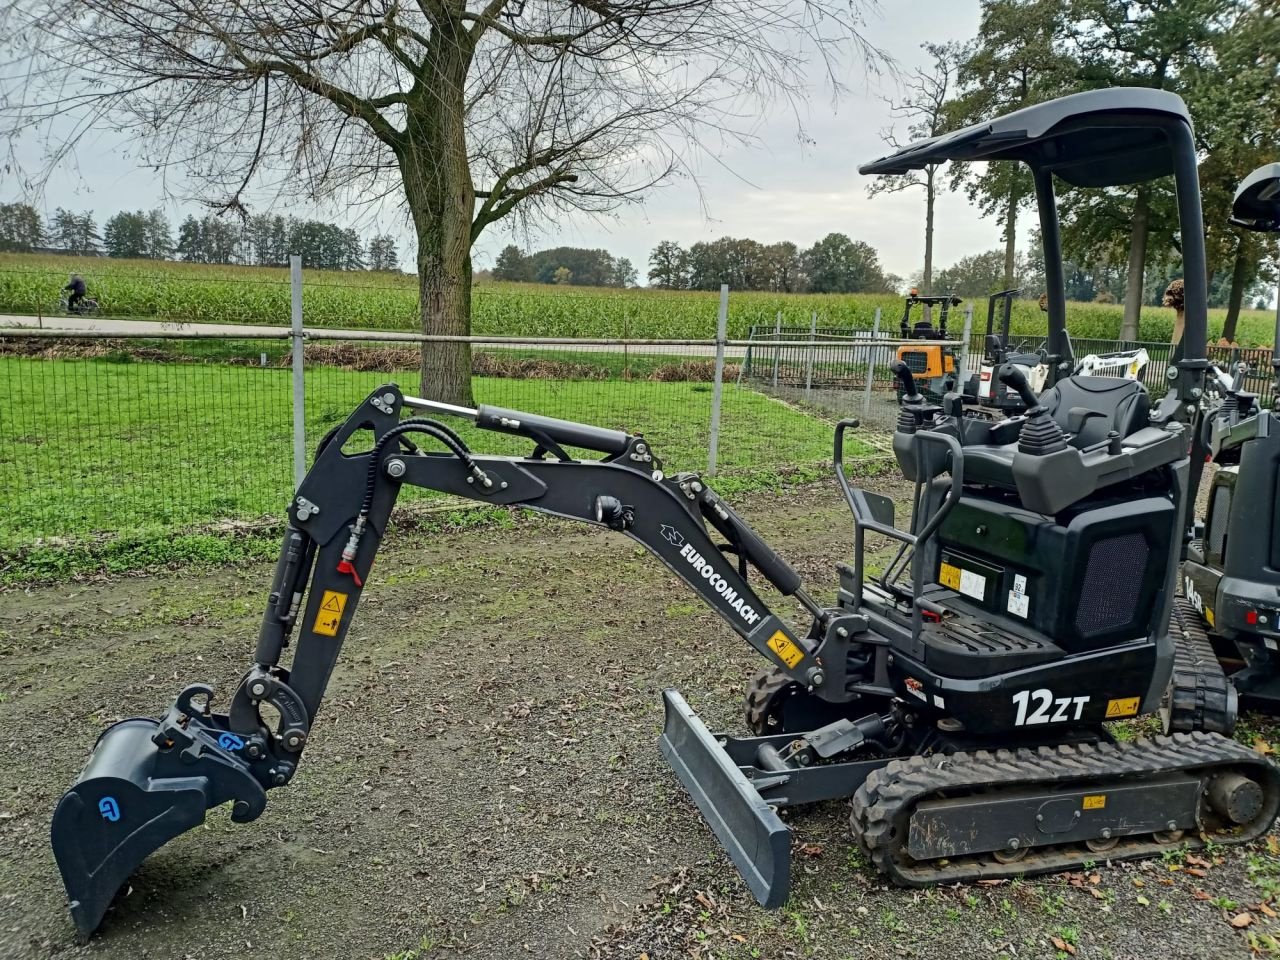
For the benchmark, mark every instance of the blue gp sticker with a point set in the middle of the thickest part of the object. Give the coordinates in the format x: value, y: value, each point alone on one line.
x: 229, y: 741
x: 109, y: 809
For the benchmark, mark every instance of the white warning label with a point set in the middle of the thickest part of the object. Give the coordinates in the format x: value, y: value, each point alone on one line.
x: 1019, y: 603
x: 973, y: 584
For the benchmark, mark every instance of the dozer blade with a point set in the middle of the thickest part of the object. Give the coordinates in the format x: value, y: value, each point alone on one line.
x: 133, y: 797
x: 757, y: 841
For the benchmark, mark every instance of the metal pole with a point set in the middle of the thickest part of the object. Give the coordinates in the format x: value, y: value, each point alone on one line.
x: 963, y: 366
x: 777, y: 346
x: 299, y: 396
x: 717, y: 392
x: 808, y: 367
x: 871, y: 368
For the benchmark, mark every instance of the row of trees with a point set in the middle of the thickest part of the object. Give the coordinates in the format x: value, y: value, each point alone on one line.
x: 574, y: 266
x: 835, y: 264
x: 261, y: 240
x: 1220, y: 56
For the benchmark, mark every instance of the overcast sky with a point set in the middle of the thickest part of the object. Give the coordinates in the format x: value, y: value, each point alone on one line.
x: 776, y: 190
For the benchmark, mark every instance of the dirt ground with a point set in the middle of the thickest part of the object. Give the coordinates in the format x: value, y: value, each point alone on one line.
x: 484, y: 780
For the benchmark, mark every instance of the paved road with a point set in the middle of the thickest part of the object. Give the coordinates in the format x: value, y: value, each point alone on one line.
x: 109, y: 325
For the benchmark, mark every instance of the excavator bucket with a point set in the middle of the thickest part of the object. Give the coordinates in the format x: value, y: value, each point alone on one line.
x: 141, y: 788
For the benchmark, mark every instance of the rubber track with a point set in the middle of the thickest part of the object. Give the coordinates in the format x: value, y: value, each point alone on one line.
x: 883, y: 805
x: 1200, y: 695
x: 764, y: 686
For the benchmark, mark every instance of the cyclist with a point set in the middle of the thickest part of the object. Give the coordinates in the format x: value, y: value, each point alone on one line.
x: 77, y: 289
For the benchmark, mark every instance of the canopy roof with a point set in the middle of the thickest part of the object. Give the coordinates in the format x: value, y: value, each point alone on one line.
x: 1257, y: 202
x: 1099, y: 138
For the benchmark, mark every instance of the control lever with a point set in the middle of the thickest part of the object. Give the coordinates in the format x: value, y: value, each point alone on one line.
x: 1011, y: 375
x: 909, y: 392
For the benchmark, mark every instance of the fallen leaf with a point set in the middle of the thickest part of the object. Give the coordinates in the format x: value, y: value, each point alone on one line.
x: 1144, y: 901
x: 1242, y: 920
x: 1097, y: 894
x: 1095, y: 878
x: 1273, y: 846
x: 1197, y: 861
x: 1139, y: 882
x: 811, y: 849
x: 1268, y: 911
x: 739, y: 938
x: 1060, y: 944
x: 1196, y: 872
x: 1262, y: 746
x: 1200, y: 895
x: 990, y: 883
x: 643, y: 956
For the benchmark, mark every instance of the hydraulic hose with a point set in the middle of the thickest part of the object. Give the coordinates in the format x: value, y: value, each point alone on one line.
x: 432, y: 428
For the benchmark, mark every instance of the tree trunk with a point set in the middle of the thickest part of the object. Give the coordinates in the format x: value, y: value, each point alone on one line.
x: 928, y: 230
x: 1239, y: 274
x: 1011, y: 239
x: 441, y: 199
x: 1130, y: 326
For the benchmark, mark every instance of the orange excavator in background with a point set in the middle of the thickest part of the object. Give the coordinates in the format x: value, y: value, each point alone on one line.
x: 932, y: 362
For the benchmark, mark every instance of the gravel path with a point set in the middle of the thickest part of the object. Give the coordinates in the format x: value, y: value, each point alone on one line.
x: 484, y: 780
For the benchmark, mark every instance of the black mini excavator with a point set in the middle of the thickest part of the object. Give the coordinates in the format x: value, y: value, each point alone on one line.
x: 984, y: 388
x: 1230, y: 608
x: 961, y: 697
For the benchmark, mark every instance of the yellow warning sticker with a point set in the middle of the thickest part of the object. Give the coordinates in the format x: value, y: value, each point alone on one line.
x: 1096, y: 801
x: 1208, y: 615
x: 785, y: 648
x: 949, y: 576
x: 1124, y: 707
x: 330, y: 613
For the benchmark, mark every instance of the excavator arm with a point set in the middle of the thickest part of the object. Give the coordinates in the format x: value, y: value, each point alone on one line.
x: 149, y: 780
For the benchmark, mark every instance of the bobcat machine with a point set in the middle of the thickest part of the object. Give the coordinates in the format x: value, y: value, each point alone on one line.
x: 933, y: 363
x: 960, y: 699
x: 1230, y: 608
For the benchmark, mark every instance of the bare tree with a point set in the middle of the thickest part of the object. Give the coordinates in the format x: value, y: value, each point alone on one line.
x: 923, y: 106
x: 468, y: 111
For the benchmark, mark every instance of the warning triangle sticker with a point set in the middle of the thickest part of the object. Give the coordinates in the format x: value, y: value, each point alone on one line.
x: 332, y: 604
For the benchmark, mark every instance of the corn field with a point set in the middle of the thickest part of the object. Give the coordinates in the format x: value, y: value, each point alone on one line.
x: 181, y: 292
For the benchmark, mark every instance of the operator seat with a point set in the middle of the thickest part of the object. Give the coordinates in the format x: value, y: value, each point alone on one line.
x: 1111, y: 403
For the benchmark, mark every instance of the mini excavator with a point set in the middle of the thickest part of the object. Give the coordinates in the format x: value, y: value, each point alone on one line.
x: 1229, y: 611
x: 961, y: 697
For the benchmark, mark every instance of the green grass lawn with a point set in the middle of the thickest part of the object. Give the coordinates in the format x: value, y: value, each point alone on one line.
x: 98, y: 449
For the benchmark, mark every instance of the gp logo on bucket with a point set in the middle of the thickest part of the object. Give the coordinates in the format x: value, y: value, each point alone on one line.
x: 109, y: 809
x: 229, y: 741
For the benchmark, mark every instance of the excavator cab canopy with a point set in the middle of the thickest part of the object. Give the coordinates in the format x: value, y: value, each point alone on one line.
x: 1110, y: 138
x: 1257, y: 202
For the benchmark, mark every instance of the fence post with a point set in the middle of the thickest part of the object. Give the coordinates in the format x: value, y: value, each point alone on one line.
x: 299, y: 395
x: 777, y: 350
x: 717, y: 392
x: 872, y: 350
x: 808, y: 367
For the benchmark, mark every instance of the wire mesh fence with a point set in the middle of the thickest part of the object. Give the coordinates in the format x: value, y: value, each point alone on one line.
x: 109, y: 436
x: 839, y: 372
x: 113, y: 436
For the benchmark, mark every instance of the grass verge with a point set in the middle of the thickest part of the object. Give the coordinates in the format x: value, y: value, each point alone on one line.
x: 111, y: 466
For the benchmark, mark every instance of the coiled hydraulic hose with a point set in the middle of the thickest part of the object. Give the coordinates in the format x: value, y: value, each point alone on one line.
x: 432, y: 428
